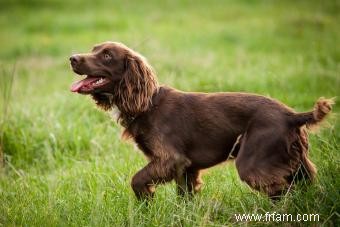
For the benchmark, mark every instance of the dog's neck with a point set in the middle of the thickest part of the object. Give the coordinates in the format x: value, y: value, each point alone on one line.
x: 123, y: 115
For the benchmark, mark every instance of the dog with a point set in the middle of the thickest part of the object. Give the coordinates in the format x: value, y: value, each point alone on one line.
x: 182, y: 133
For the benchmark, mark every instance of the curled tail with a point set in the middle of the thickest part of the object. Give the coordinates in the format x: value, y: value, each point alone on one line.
x: 321, y: 108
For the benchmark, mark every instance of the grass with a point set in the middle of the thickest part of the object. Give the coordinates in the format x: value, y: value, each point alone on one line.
x: 65, y: 163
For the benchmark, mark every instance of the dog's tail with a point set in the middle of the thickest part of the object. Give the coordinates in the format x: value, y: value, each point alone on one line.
x: 321, y: 108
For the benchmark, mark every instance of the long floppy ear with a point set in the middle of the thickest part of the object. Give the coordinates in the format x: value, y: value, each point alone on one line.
x: 137, y: 86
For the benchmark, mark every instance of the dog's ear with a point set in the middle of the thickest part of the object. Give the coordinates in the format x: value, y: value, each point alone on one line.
x: 137, y: 85
x: 136, y: 70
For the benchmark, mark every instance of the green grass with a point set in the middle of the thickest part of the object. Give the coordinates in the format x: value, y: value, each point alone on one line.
x: 65, y: 162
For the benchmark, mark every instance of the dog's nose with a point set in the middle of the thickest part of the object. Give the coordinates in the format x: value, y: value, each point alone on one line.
x: 74, y: 59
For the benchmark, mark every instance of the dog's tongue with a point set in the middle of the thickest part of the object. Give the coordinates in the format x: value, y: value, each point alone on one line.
x: 76, y: 86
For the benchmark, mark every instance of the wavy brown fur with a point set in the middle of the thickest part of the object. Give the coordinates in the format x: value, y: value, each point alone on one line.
x: 133, y: 94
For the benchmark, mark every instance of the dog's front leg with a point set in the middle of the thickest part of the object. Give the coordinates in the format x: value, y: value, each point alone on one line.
x: 158, y: 171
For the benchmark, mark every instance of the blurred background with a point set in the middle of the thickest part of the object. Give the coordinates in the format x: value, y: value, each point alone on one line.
x: 64, y: 161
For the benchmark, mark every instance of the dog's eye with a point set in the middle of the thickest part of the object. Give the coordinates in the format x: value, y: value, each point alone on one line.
x: 107, y: 57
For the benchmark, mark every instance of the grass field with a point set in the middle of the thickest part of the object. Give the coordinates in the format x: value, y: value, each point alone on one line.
x: 65, y: 162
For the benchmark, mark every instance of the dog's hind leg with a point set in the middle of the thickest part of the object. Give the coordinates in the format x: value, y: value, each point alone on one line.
x: 265, y: 162
x: 299, y: 146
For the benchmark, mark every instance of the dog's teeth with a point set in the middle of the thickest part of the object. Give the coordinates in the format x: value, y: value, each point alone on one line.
x: 101, y: 80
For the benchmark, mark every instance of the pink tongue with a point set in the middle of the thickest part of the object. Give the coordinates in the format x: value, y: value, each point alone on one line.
x: 76, y: 86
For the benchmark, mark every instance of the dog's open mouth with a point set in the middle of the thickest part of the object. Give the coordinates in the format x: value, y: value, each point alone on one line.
x: 89, y: 84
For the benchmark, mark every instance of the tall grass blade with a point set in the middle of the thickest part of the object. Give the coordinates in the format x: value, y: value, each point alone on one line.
x: 6, y: 85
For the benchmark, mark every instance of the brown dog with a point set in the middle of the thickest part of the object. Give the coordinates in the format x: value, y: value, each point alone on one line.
x: 182, y: 133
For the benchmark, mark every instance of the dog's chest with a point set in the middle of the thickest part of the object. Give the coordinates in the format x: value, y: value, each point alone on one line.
x: 143, y: 145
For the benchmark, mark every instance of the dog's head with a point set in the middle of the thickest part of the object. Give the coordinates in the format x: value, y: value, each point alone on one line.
x: 115, y: 74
